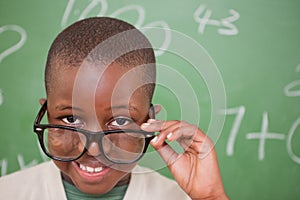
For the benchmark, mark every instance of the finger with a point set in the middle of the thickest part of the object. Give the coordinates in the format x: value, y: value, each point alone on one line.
x: 168, y: 154
x: 192, y: 139
x: 185, y: 137
x: 172, y: 130
x: 163, y: 136
x: 153, y: 125
x: 164, y: 127
x: 185, y: 131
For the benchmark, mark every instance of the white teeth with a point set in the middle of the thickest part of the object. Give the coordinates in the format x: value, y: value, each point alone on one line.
x: 82, y: 167
x: 90, y: 169
x: 98, y: 169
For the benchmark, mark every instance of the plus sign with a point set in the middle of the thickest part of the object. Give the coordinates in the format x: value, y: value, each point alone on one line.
x: 263, y: 136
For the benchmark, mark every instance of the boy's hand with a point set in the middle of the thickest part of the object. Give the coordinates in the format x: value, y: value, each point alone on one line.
x: 196, y: 170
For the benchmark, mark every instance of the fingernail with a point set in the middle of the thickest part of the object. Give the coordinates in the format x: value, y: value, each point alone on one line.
x: 151, y: 120
x: 169, y: 135
x: 145, y: 124
x: 154, y: 140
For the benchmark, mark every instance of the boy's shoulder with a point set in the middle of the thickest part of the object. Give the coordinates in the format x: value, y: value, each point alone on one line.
x: 39, y: 182
x: 148, y: 184
x: 40, y: 171
x: 34, y: 170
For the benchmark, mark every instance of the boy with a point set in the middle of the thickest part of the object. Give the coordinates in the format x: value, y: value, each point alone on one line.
x: 100, y: 77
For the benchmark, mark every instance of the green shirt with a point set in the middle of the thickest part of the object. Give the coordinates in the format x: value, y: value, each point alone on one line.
x: 73, y: 193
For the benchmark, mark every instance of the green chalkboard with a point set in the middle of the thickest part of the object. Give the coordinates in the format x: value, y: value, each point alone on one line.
x: 232, y: 67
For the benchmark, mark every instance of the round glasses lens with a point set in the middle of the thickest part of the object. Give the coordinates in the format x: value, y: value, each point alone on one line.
x: 63, y: 143
x: 123, y: 147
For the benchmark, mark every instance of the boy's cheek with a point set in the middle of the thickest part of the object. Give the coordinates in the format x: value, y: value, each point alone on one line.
x: 63, y: 166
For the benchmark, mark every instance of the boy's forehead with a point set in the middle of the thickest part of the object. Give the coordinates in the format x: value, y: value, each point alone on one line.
x: 88, y: 83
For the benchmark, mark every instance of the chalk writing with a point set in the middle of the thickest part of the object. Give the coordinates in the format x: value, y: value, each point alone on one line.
x: 3, y: 164
x: 134, y: 8
x: 167, y: 35
x: 289, y: 90
x: 292, y: 131
x: 140, y: 19
x: 263, y: 135
x: 22, y: 164
x: 85, y: 12
x: 16, y: 46
x: 225, y: 24
x: 21, y: 161
x: 239, y: 111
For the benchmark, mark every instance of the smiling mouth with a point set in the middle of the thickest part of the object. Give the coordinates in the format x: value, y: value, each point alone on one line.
x: 91, y: 169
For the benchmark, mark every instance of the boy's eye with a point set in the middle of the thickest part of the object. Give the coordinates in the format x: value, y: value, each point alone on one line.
x: 120, y: 122
x: 72, y: 120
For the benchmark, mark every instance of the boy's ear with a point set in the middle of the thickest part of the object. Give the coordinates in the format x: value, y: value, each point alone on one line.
x: 154, y: 110
x: 157, y: 108
x: 42, y: 101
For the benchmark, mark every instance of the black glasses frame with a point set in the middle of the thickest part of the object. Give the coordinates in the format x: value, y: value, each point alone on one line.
x: 90, y: 136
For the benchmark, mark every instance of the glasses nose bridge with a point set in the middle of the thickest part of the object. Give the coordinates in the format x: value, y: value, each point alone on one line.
x: 94, y: 146
x: 94, y: 137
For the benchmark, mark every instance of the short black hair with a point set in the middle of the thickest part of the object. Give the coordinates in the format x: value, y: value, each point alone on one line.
x: 122, y: 42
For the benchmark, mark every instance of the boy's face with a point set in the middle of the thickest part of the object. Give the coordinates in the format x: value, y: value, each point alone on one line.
x: 82, y: 99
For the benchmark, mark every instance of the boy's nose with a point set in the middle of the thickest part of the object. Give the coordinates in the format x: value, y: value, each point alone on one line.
x: 94, y: 149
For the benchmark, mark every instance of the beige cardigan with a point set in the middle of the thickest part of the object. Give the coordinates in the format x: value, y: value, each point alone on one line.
x: 44, y: 182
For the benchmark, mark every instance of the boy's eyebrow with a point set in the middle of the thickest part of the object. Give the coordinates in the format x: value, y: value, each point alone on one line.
x: 130, y: 107
x: 67, y: 107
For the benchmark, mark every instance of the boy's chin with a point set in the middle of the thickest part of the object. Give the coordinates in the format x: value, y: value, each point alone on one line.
x: 104, y: 185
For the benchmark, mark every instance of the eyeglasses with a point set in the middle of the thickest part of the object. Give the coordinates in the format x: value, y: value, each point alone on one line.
x: 65, y: 143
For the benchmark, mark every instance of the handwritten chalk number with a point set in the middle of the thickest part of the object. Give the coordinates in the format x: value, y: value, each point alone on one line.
x: 226, y: 27
x: 292, y: 131
x: 140, y: 19
x: 289, y: 90
x: 239, y: 111
x: 16, y: 46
